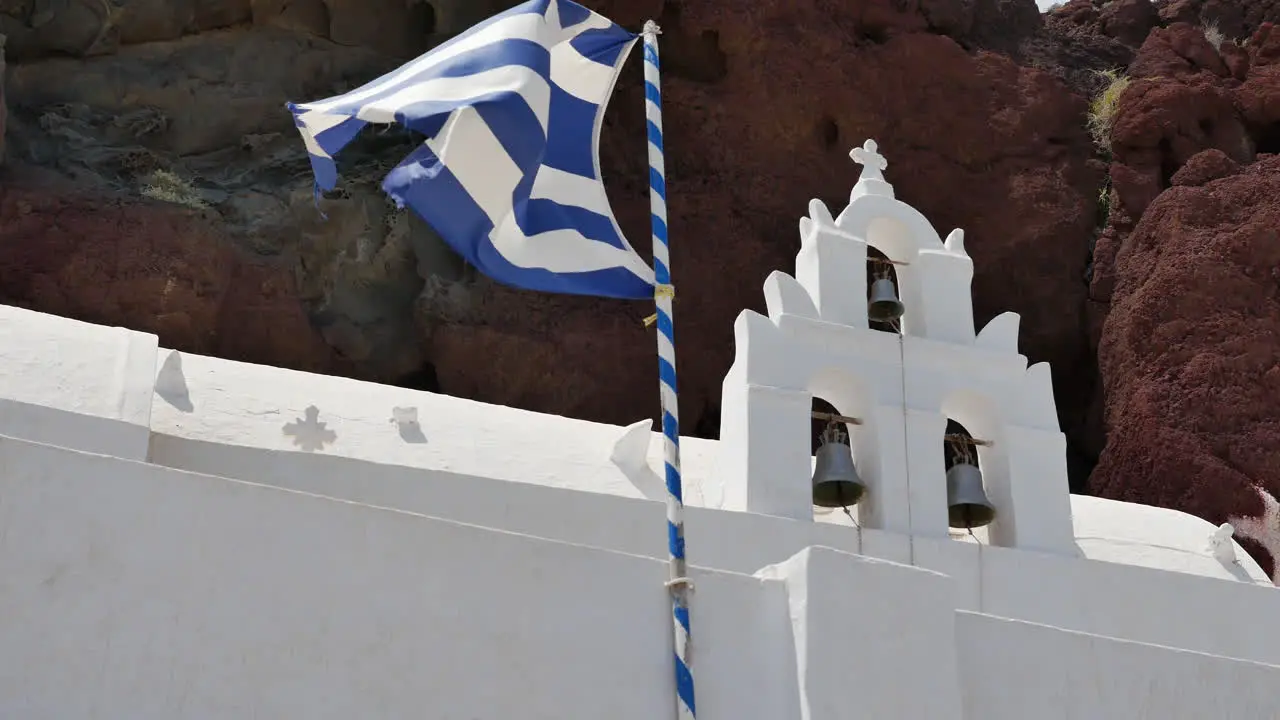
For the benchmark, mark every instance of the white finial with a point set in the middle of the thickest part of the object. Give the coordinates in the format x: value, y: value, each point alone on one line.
x: 631, y: 456
x: 872, y: 162
x: 404, y: 415
x: 1221, y: 546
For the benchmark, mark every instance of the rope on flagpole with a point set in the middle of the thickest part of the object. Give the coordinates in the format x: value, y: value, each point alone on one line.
x: 663, y: 296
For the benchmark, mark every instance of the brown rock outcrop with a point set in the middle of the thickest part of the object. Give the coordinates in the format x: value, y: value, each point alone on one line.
x: 1190, y: 354
x: 739, y: 181
x: 1073, y: 46
x: 1183, y: 99
x: 153, y: 267
x: 974, y: 140
x: 1190, y: 349
x: 1128, y: 21
x: 1234, y: 19
x: 1205, y: 167
x: 1125, y: 21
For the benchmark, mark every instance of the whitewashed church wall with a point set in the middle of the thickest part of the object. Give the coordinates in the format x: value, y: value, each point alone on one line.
x: 132, y: 590
x: 75, y: 384
x: 89, y: 433
x: 737, y: 542
x: 135, y: 591
x: 1159, y: 607
x: 255, y: 406
x: 873, y: 639
x: 1074, y: 675
x: 1142, y: 604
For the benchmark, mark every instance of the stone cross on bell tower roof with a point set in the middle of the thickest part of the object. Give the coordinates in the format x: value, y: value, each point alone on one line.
x: 872, y: 181
x: 872, y: 162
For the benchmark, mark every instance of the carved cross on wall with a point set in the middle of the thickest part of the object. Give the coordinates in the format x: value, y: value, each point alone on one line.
x: 310, y: 434
x: 872, y: 162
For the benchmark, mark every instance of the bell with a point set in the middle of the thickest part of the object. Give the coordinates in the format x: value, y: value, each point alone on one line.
x: 884, y: 305
x: 835, y: 479
x: 967, y: 503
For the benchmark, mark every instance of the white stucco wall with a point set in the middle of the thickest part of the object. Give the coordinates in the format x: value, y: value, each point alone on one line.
x: 131, y: 591
x: 1074, y: 676
x: 75, y: 384
x: 872, y: 639
x: 1108, y: 598
x: 242, y: 405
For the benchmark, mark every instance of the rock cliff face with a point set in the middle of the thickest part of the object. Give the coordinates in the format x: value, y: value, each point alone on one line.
x: 1187, y: 274
x: 176, y: 109
x: 153, y: 179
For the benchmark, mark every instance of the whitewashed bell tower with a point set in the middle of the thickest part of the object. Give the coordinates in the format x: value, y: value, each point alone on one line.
x: 901, y: 387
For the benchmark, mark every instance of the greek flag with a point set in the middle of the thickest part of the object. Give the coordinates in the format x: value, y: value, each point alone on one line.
x: 509, y: 174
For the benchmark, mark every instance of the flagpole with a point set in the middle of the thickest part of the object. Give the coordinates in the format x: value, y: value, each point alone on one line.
x: 664, y: 294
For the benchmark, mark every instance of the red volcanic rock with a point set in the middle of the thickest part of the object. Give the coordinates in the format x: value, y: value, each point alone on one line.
x: 972, y: 140
x: 4, y: 107
x: 1159, y: 125
x: 1126, y: 21
x: 1205, y: 167
x: 763, y: 98
x: 1189, y: 354
x: 1235, y: 19
x: 1176, y: 52
x: 1179, y: 105
x: 1259, y: 96
x: 1077, y: 12
x: 1265, y: 44
x: 1129, y: 21
x: 1236, y: 59
x: 1182, y: 100
x: 1180, y: 11
x: 151, y: 267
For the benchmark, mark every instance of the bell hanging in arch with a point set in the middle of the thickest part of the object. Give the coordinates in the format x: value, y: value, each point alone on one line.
x: 884, y: 305
x: 835, y: 478
x: 967, y: 503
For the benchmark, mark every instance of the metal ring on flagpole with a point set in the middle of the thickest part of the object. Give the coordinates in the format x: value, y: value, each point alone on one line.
x: 672, y: 583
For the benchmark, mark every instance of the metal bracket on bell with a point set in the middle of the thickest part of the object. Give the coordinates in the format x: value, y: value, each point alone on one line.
x: 834, y: 418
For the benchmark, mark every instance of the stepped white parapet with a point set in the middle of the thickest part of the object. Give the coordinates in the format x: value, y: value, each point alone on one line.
x: 75, y: 384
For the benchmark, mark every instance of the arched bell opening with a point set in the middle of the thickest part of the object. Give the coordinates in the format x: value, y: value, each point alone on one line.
x: 969, y: 510
x: 837, y: 485
x: 884, y: 301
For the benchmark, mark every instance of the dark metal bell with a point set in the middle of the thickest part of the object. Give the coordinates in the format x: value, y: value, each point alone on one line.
x: 835, y: 478
x: 884, y: 305
x: 967, y: 503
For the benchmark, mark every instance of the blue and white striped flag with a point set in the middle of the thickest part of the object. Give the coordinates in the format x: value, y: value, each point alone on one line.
x: 510, y: 173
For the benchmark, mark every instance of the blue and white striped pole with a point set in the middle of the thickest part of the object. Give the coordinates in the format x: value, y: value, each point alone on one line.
x: 664, y: 294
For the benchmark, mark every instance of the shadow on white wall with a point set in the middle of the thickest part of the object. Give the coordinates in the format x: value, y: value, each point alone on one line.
x: 310, y: 434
